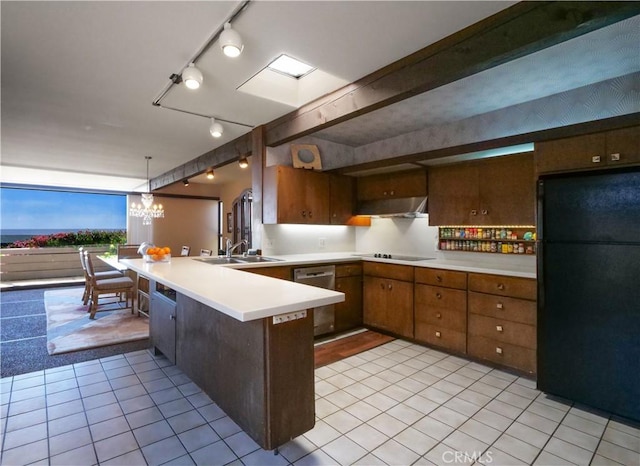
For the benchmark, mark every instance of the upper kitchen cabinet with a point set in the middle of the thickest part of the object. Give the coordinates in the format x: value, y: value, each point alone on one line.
x: 592, y: 151
x: 412, y: 183
x: 341, y: 199
x: 498, y: 191
x: 295, y: 195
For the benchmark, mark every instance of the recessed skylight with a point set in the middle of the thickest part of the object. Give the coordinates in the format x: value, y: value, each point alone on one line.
x: 290, y: 66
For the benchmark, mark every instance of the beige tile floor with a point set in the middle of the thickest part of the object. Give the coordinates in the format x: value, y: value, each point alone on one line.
x: 397, y: 404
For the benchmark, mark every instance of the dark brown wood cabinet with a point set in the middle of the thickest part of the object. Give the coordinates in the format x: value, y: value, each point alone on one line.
x: 502, y: 320
x: 341, y: 199
x: 620, y: 147
x: 260, y: 373
x: 441, y: 308
x: 410, y: 183
x: 283, y: 272
x: 295, y: 195
x: 348, y: 314
x: 498, y: 191
x: 388, y: 297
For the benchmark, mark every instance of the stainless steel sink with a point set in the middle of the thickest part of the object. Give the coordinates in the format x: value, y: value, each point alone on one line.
x: 236, y: 260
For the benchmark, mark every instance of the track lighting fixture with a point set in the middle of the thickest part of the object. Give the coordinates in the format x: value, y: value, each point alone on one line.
x: 230, y: 41
x: 243, y: 162
x: 216, y: 128
x: 185, y: 182
x: 210, y: 174
x: 192, y: 77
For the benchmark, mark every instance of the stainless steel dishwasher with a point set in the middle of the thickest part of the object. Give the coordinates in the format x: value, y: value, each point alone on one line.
x: 322, y: 277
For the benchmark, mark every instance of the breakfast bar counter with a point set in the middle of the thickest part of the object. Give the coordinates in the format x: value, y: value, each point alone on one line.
x: 246, y: 340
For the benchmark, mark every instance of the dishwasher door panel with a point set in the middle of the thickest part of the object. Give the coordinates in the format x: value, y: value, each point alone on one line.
x: 322, y: 277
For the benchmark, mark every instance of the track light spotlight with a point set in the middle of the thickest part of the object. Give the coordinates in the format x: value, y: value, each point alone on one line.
x: 243, y: 162
x: 210, y: 174
x: 216, y: 128
x: 192, y: 77
x: 185, y: 182
x: 230, y: 41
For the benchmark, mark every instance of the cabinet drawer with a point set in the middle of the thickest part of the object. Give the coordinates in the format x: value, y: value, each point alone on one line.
x: 516, y: 287
x: 446, y: 298
x: 396, y: 272
x: 441, y: 317
x: 517, y: 357
x: 513, y: 309
x: 441, y: 336
x: 438, y: 277
x: 503, y: 331
x: 348, y: 270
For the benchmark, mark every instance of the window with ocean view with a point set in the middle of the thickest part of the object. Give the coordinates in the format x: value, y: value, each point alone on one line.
x: 67, y: 215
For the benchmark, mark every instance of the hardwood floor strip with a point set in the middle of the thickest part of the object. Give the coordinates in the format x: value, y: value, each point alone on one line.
x: 333, y: 351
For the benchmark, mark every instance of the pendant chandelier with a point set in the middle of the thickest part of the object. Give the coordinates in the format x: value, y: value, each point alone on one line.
x: 147, y: 210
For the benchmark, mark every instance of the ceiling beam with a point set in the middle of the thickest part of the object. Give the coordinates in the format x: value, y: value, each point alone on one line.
x: 520, y: 30
x: 217, y: 157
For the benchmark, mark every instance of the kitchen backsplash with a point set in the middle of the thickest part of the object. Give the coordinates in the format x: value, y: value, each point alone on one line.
x: 403, y: 236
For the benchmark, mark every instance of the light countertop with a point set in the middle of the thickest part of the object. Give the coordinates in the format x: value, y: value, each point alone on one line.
x: 247, y: 296
x: 241, y: 295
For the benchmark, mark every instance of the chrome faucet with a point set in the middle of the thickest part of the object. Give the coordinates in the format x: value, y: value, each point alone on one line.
x: 231, y: 247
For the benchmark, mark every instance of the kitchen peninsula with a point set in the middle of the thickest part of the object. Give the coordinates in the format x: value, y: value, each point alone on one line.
x: 246, y: 340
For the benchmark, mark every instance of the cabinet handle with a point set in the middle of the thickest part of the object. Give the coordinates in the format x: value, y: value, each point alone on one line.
x: 498, y: 350
x: 390, y: 286
x: 304, y: 213
x: 392, y: 193
x: 499, y: 328
x: 500, y: 286
x: 484, y: 211
x: 438, y: 278
x: 499, y: 305
x: 615, y: 157
x: 595, y: 159
x: 438, y: 315
x: 384, y: 193
x: 310, y: 214
x: 172, y: 317
x: 438, y: 335
x: 339, y: 286
x: 474, y: 212
x: 438, y: 295
x: 382, y: 285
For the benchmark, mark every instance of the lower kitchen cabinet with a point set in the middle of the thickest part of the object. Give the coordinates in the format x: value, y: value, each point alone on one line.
x: 348, y: 314
x: 162, y: 320
x: 441, y: 308
x: 502, y: 320
x: 388, y: 298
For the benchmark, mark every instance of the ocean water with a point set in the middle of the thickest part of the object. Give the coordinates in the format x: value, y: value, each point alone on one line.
x: 10, y: 235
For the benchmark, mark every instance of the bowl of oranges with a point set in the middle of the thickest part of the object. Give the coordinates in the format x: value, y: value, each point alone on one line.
x: 157, y: 254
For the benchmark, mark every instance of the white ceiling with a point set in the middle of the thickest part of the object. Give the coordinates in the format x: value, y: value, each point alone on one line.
x: 78, y: 78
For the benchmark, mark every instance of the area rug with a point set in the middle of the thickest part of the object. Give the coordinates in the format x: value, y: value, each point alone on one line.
x: 70, y: 329
x: 335, y: 350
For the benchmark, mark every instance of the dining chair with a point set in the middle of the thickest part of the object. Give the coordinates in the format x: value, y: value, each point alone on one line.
x: 107, y: 274
x: 128, y: 251
x: 185, y: 250
x: 205, y: 252
x: 116, y: 286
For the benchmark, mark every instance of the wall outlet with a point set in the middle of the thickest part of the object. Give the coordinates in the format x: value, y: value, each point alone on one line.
x: 322, y: 243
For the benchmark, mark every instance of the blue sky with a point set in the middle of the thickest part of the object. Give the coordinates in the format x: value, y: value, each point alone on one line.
x: 35, y: 209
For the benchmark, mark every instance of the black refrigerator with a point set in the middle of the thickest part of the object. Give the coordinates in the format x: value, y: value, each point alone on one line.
x: 589, y: 289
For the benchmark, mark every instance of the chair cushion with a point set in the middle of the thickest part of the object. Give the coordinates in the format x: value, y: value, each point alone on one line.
x: 114, y: 284
x: 108, y: 274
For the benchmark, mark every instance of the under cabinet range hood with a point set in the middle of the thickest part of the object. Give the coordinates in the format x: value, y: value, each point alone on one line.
x: 404, y: 207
